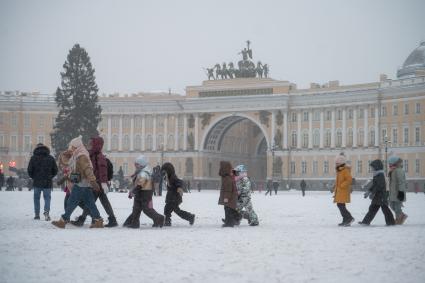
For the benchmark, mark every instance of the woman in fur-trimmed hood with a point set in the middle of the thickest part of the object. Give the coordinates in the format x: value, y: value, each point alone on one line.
x: 342, y: 191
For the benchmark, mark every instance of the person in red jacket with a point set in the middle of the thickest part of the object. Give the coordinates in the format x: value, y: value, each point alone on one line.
x: 100, y: 170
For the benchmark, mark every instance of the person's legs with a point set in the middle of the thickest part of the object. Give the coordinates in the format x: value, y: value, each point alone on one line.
x: 389, y: 217
x: 182, y: 214
x: 346, y: 216
x: 250, y: 213
x: 47, y: 197
x: 74, y: 198
x: 147, y: 208
x: 86, y: 210
x: 137, y: 210
x: 88, y: 200
x: 168, y: 209
x: 106, y: 204
x: 373, y: 209
x: 37, y: 193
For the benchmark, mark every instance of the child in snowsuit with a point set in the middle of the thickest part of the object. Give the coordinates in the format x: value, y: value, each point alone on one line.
x: 342, y: 191
x: 378, y: 193
x: 142, y: 192
x: 174, y: 196
x: 398, y: 188
x: 244, y: 204
x: 228, y: 194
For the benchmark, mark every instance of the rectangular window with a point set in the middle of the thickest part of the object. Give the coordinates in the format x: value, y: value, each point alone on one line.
x: 417, y: 135
x: 27, y: 143
x: 328, y: 115
x: 40, y: 139
x: 372, y: 112
x: 2, y: 144
x: 326, y: 167
x: 384, y: 111
x: 13, y: 143
x: 293, y: 117
x: 369, y: 170
x: 125, y: 168
x: 292, y: 167
x: 406, y: 135
x: 14, y: 120
x: 406, y: 109
x: 359, y: 167
x: 1, y: 118
x: 304, y: 167
x: 350, y: 114
x: 315, y: 166
x: 418, y: 108
x: 384, y: 135
x: 361, y: 113
x: 339, y: 115
x: 305, y: 115
x: 395, y: 110
x: 41, y: 122
x: 406, y: 165
x: 316, y: 116
x: 26, y: 121
x: 395, y: 136
x: 417, y: 166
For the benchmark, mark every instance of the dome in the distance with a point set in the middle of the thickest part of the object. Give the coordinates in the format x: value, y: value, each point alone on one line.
x: 413, y: 63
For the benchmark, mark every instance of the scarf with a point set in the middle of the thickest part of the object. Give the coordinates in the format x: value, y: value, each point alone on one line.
x: 376, y: 173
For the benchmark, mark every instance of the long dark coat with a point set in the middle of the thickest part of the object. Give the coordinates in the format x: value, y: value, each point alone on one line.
x: 228, y: 187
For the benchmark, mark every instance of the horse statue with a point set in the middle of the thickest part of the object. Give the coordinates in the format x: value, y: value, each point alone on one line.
x: 217, y: 70
x: 266, y: 70
x: 259, y: 69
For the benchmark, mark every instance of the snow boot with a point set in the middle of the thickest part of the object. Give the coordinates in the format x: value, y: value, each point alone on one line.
x: 400, y: 220
x: 348, y: 222
x: 167, y: 221
x: 98, y: 223
x: 127, y: 222
x: 363, y: 223
x: 46, y: 216
x: 79, y: 221
x: 254, y: 224
x: 37, y: 217
x: 192, y: 219
x: 60, y: 223
x: 112, y: 222
x: 159, y: 222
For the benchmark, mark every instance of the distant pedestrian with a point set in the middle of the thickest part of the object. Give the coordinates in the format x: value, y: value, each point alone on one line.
x: 302, y: 186
x: 228, y: 194
x: 41, y: 169
x: 378, y: 193
x: 342, y: 190
x: 198, y: 184
x: 1, y: 179
x: 10, y: 184
x: 275, y: 187
x: 398, y: 188
x: 174, y: 196
x: 269, y: 187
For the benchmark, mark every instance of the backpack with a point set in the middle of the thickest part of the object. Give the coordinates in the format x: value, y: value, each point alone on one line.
x: 110, y: 169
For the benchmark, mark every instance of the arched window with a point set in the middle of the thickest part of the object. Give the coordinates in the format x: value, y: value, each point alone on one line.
x: 126, y: 143
x: 328, y: 138
x: 338, y: 138
x: 305, y: 139
x: 170, y: 142
x: 160, y: 142
x: 114, y: 142
x: 149, y: 142
x: 316, y: 138
x: 137, y: 143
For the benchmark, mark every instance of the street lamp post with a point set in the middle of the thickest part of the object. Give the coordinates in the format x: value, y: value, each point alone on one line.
x: 386, y: 141
x: 273, y: 149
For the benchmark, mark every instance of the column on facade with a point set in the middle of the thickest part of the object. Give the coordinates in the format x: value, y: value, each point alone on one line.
x: 109, y: 132
x: 154, y: 133
x: 185, y: 132
x: 165, y: 132
x: 322, y: 122
x: 285, y: 129
x: 310, y: 129
x: 273, y: 128
x: 365, y: 126
x: 333, y: 129
x: 132, y: 133
x: 196, y: 131
x: 120, y: 137
x: 354, y: 127
x: 344, y: 127
x: 143, y: 133
x: 176, y: 133
x: 299, y: 129
x: 377, y: 133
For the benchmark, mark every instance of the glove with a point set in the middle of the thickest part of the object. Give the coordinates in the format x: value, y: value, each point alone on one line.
x: 366, y: 194
x: 226, y: 200
x: 180, y: 191
x: 400, y: 196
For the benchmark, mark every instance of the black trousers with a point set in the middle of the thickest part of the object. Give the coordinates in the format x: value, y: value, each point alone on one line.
x: 104, y: 201
x: 142, y: 199
x: 174, y: 206
x: 373, y: 209
x: 231, y: 216
x: 346, y: 215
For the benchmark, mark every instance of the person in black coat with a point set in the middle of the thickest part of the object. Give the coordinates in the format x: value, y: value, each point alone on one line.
x: 41, y: 169
x: 378, y: 193
x: 174, y: 196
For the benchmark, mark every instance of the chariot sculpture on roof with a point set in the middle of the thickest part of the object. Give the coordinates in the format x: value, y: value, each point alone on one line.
x: 246, y: 67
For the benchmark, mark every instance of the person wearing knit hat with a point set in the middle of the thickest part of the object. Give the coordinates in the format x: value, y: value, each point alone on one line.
x: 142, y: 192
x: 398, y: 188
x: 84, y: 181
x: 342, y: 189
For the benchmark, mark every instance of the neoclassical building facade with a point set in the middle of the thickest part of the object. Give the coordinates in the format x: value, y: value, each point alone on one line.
x: 280, y: 132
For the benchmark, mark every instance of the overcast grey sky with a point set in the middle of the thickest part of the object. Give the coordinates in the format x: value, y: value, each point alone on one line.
x: 155, y: 45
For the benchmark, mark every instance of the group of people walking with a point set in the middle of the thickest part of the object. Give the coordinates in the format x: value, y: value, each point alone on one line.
x: 381, y: 195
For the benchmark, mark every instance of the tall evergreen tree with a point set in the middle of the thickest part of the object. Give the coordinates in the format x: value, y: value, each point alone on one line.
x: 77, y: 100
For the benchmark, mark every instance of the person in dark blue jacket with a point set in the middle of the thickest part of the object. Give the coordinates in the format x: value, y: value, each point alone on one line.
x: 174, y: 196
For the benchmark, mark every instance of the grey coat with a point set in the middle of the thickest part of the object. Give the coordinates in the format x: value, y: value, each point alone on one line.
x: 397, y: 183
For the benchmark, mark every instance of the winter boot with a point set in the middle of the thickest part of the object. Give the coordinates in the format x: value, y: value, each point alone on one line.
x: 192, y: 219
x: 79, y: 221
x: 127, y: 222
x: 98, y: 223
x: 37, y: 217
x: 112, y: 222
x: 363, y: 223
x: 46, y: 216
x: 253, y: 224
x: 167, y: 221
x: 348, y: 222
x: 159, y: 222
x: 60, y: 223
x: 402, y: 218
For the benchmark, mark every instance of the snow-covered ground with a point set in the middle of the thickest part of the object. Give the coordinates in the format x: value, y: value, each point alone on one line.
x: 297, y: 241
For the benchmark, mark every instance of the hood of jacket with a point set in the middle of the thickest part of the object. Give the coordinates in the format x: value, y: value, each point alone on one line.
x: 96, y: 145
x: 41, y: 151
x: 225, y: 168
x: 377, y: 165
